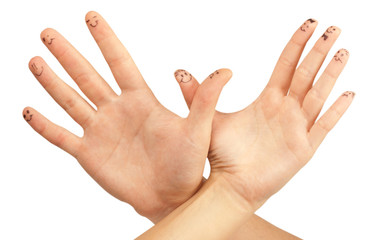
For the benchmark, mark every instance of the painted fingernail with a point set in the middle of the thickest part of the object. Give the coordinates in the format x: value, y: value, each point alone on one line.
x: 341, y: 55
x: 213, y: 74
x: 305, y: 26
x: 182, y: 76
x: 349, y: 94
x: 329, y: 32
x: 27, y: 115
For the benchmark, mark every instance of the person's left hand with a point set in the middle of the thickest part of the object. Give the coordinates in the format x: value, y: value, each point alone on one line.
x: 261, y: 147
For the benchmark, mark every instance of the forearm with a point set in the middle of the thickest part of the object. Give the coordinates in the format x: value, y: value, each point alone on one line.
x: 254, y: 228
x: 215, y: 212
x: 258, y: 228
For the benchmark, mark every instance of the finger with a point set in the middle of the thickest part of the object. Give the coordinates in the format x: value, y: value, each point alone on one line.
x: 288, y: 60
x: 118, y: 58
x: 55, y: 134
x: 81, y: 71
x: 323, y: 126
x: 206, y: 97
x: 304, y: 75
x: 62, y: 93
x: 188, y: 85
x: 316, y: 97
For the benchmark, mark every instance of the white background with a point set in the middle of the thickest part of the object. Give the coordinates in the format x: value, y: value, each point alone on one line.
x: 343, y: 193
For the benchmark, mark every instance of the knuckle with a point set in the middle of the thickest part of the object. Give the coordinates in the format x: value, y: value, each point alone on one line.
x: 304, y: 73
x: 69, y: 104
x: 60, y: 139
x: 82, y: 79
x: 324, y: 126
x: 316, y: 95
x: 317, y: 48
x: 286, y: 62
x: 118, y: 60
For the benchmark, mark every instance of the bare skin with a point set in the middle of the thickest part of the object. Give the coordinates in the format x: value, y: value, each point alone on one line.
x: 132, y: 146
x: 256, y: 151
x: 259, y: 148
x: 162, y: 191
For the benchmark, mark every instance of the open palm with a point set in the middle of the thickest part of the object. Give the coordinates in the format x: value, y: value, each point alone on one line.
x: 136, y: 149
x: 261, y: 147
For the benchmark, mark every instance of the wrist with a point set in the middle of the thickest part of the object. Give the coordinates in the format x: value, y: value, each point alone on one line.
x: 224, y: 189
x: 167, y: 208
x: 214, y: 212
x: 240, y: 191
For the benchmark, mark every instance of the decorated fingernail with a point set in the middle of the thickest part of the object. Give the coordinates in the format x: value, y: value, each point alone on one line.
x: 213, y: 74
x: 182, y: 76
x: 27, y: 115
x: 48, y: 39
x: 348, y: 94
x: 37, y: 70
x: 341, y: 55
x: 328, y: 32
x: 307, y: 24
x: 93, y: 21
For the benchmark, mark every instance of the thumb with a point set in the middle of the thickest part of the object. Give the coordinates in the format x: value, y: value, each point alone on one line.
x: 205, y: 98
x: 188, y: 85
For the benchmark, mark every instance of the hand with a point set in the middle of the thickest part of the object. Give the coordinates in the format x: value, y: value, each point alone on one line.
x: 261, y: 147
x: 136, y: 149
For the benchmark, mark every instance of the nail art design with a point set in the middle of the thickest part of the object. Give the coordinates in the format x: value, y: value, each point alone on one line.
x: 348, y: 94
x: 36, y: 70
x: 306, y: 24
x: 328, y: 31
x: 93, y: 22
x: 48, y: 39
x: 340, y: 55
x: 182, y: 76
x: 27, y: 116
x: 212, y: 75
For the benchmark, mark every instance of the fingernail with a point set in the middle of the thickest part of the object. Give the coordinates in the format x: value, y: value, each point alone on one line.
x: 182, y: 76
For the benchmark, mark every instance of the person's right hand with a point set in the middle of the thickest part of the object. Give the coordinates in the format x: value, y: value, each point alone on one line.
x: 135, y: 148
x: 258, y: 149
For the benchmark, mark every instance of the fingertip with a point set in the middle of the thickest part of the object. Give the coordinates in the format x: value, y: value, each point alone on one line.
x: 33, y: 60
x: 348, y: 94
x: 183, y: 76
x: 28, y: 113
x: 92, y: 19
x: 308, y: 26
x: 223, y: 73
x: 36, y: 59
x: 312, y: 21
x: 46, y: 33
x: 342, y: 56
x: 335, y: 29
x: 90, y: 14
x: 227, y: 72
